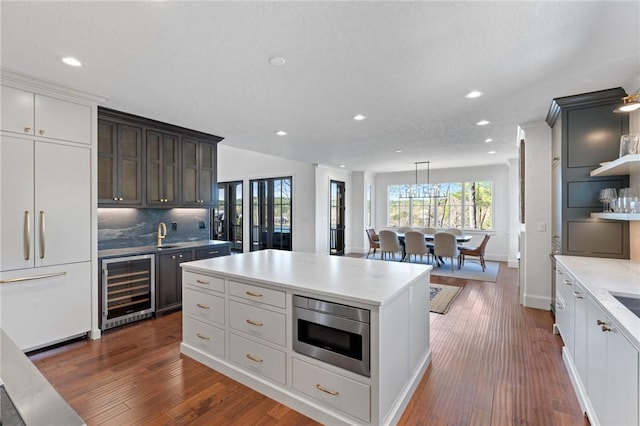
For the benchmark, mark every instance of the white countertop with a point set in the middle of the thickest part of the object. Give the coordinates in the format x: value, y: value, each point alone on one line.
x: 370, y: 281
x: 600, y: 277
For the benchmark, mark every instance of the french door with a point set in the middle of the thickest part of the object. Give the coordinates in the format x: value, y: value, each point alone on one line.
x: 271, y: 217
x: 227, y: 218
x: 336, y: 215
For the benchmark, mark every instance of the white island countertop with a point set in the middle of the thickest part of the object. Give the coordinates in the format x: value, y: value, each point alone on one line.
x: 373, y: 282
x: 601, y: 277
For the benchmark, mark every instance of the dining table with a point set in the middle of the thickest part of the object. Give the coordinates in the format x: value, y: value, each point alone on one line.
x: 429, y: 238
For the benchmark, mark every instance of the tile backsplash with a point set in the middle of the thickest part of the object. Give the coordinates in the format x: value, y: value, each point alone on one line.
x: 125, y: 227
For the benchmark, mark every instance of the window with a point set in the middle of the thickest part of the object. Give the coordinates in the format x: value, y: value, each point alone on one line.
x: 271, y: 219
x: 228, y: 215
x: 466, y: 205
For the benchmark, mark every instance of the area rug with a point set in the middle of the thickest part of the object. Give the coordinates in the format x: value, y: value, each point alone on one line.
x: 442, y: 297
x: 470, y: 271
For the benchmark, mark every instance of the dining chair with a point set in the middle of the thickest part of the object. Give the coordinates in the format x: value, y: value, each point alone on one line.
x: 415, y: 244
x: 446, y: 245
x: 475, y: 252
x: 454, y: 231
x: 428, y: 231
x: 374, y: 241
x: 389, y: 243
x: 404, y: 229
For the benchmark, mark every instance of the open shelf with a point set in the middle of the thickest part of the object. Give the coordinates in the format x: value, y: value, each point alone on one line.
x: 617, y: 216
x: 622, y: 166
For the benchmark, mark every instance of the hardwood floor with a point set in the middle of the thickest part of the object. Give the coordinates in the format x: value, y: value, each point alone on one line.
x: 494, y: 363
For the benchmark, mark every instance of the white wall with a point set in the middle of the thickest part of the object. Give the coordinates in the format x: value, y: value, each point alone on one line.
x: 536, y: 289
x: 240, y: 164
x: 498, y: 247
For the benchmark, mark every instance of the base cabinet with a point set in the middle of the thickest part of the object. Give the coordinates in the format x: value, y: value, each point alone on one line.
x: 169, y: 280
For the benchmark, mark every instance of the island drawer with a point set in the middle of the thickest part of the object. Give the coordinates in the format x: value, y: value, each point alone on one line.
x: 258, y: 322
x: 204, y: 281
x: 205, y: 306
x: 204, y: 336
x: 258, y: 294
x: 258, y: 358
x: 331, y: 389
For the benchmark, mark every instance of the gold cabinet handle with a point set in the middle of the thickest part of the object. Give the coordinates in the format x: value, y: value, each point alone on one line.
x: 567, y: 282
x: 254, y: 358
x: 115, y: 198
x: 27, y: 129
x: 605, y: 328
x: 202, y: 282
x: 42, y: 234
x: 180, y: 256
x: 575, y: 293
x: 34, y: 277
x: 600, y: 322
x: 41, y: 131
x: 27, y: 235
x: 203, y: 337
x: 250, y: 293
x: 325, y: 390
x: 120, y: 198
x: 200, y: 305
x: 257, y: 324
x: 173, y: 257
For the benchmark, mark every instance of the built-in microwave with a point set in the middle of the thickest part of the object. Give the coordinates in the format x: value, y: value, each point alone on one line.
x: 331, y: 332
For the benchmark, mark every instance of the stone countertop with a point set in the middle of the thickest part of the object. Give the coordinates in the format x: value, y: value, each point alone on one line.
x: 601, y: 277
x: 35, y: 399
x: 372, y: 282
x: 153, y: 249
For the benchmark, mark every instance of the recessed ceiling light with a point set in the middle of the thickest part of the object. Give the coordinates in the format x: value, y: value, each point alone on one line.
x: 488, y: 140
x: 342, y: 166
x: 71, y: 61
x: 491, y: 152
x: 277, y: 61
x: 473, y: 94
x: 398, y: 150
x: 281, y: 133
x: 359, y: 117
x: 483, y: 122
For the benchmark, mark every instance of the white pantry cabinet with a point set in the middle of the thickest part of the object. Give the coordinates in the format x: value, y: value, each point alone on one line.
x: 44, y: 116
x: 48, y: 220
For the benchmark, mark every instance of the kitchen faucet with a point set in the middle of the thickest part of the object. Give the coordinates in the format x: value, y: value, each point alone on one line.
x: 162, y: 233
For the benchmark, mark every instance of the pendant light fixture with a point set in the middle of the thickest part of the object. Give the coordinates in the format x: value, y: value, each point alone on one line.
x: 421, y: 191
x: 629, y: 103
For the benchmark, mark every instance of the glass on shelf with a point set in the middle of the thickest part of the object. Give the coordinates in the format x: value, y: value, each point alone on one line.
x: 607, y: 197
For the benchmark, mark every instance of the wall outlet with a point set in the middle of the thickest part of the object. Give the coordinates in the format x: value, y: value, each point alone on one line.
x: 202, y: 225
x: 174, y: 226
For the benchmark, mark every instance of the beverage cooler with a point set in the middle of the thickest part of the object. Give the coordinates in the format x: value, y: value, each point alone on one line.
x: 128, y: 290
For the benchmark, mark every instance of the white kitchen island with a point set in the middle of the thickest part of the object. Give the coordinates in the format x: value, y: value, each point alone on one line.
x: 238, y: 320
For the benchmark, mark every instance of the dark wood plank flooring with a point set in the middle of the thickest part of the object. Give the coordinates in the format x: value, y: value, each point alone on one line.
x: 494, y: 363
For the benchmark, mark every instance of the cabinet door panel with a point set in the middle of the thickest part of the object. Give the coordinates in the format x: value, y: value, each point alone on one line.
x: 58, y: 119
x: 107, y: 166
x: 596, y: 361
x: 16, y: 190
x: 622, y: 380
x: 17, y: 110
x: 167, y: 294
x: 130, y: 158
x: 63, y: 195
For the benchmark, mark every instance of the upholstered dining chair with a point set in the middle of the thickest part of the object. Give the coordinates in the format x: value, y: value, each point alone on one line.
x: 446, y: 245
x: 374, y: 241
x: 428, y: 231
x: 454, y: 231
x: 389, y: 243
x: 405, y: 229
x: 475, y: 252
x: 414, y: 244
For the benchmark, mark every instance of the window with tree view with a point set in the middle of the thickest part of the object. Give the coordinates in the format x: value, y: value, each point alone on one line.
x: 467, y: 205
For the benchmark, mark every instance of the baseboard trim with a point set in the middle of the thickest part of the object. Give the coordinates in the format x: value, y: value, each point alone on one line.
x: 537, y: 302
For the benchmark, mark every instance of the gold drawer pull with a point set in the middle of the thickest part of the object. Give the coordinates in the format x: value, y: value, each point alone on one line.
x: 27, y: 129
x: 203, y: 337
x: 257, y: 324
x: 605, y: 328
x: 33, y: 277
x: 254, y: 358
x: 600, y: 322
x: 202, y: 282
x: 199, y: 305
x: 41, y: 131
x: 250, y: 293
x: 330, y: 392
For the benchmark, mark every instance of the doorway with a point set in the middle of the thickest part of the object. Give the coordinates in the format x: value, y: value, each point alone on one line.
x: 336, y: 215
x: 227, y: 222
x: 271, y: 214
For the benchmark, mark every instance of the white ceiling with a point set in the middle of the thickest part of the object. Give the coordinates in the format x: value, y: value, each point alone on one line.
x: 404, y: 65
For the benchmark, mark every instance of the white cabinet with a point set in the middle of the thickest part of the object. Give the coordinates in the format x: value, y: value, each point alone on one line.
x: 43, y: 116
x: 580, y: 333
x: 612, y: 378
x: 565, y: 304
x: 46, y: 203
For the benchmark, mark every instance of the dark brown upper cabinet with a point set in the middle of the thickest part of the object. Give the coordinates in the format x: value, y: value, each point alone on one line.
x: 199, y: 186
x: 162, y: 169
x: 148, y: 163
x: 119, y: 164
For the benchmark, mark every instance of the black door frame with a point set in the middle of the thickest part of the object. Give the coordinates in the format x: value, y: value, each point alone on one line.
x: 337, y: 217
